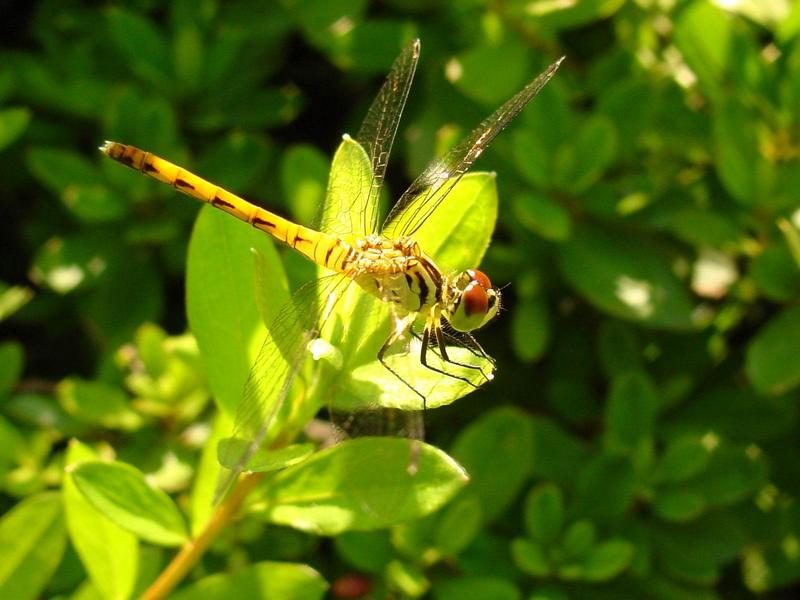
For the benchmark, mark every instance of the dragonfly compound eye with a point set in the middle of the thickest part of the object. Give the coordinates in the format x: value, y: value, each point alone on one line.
x: 475, y: 300
x: 481, y: 278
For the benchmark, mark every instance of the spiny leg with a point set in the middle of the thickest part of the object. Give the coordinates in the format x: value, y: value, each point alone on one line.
x: 402, y: 325
x: 438, y: 352
x: 423, y: 357
x: 440, y: 340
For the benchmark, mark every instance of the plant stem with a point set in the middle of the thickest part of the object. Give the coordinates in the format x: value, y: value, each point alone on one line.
x: 194, y: 549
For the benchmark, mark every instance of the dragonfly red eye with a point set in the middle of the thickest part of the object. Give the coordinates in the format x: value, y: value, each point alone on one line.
x: 475, y: 299
x: 481, y: 278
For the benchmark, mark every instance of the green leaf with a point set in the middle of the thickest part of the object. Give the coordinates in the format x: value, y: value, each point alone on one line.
x: 78, y: 183
x: 618, y: 347
x: 187, y: 52
x: 304, y: 175
x: 743, y: 170
x: 32, y: 542
x: 318, y: 20
x: 703, y: 34
x: 13, y: 122
x: 529, y: 556
x: 568, y: 15
x: 237, y: 161
x: 264, y: 579
x: 626, y: 277
x: 220, y: 292
x: 363, y: 484
x: 70, y: 263
x: 684, y: 458
x: 122, y: 494
x: 475, y: 71
x: 458, y: 524
x: 773, y: 362
x: 578, y: 539
x: 367, y: 551
x: 608, y: 559
x: 476, y: 588
x: 371, y: 46
x: 679, y: 505
x: 497, y: 452
x: 605, y: 487
x: 557, y: 454
x: 581, y: 162
x: 408, y: 578
x: 544, y: 512
x: 735, y: 414
x: 263, y: 460
x: 97, y: 403
x: 530, y: 328
x: 714, y: 539
x: 12, y: 298
x: 776, y: 273
x: 543, y: 216
x: 142, y: 45
x: 630, y: 412
x: 129, y: 294
x: 732, y: 475
x: 108, y: 552
x: 533, y: 159
x: 12, y: 445
x: 12, y: 362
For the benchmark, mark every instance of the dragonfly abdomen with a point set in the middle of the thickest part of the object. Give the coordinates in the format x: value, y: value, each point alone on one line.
x: 324, y: 249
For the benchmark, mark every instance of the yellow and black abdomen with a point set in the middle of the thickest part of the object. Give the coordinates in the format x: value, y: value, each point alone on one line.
x: 324, y: 249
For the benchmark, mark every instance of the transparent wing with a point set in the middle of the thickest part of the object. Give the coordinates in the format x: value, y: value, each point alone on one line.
x: 376, y: 136
x: 428, y: 191
x: 380, y: 125
x: 280, y: 358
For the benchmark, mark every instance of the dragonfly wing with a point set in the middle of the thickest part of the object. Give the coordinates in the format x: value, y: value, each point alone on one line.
x: 428, y: 191
x: 379, y: 128
x: 281, y: 356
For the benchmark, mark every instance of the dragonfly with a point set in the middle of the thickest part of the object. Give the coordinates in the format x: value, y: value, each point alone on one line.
x: 436, y: 310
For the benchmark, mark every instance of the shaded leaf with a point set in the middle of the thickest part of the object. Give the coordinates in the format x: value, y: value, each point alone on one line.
x: 544, y: 512
x: 497, y: 452
x: 773, y: 362
x: 13, y: 122
x: 259, y: 580
x: 626, y: 277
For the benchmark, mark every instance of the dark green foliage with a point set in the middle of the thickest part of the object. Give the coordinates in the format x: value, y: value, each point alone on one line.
x: 640, y: 439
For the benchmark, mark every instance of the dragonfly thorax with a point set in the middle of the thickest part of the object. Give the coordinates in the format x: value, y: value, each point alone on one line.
x: 396, y: 271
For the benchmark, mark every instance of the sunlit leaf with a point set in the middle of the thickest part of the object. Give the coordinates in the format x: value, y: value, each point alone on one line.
x: 363, y: 484
x: 32, y: 541
x: 108, y: 552
x: 120, y: 492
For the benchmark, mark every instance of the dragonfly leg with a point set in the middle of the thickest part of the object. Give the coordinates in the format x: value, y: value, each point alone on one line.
x: 398, y: 331
x: 426, y: 340
x: 471, y: 344
x: 440, y: 340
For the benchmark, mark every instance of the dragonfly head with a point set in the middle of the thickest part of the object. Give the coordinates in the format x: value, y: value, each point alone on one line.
x: 476, y: 301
